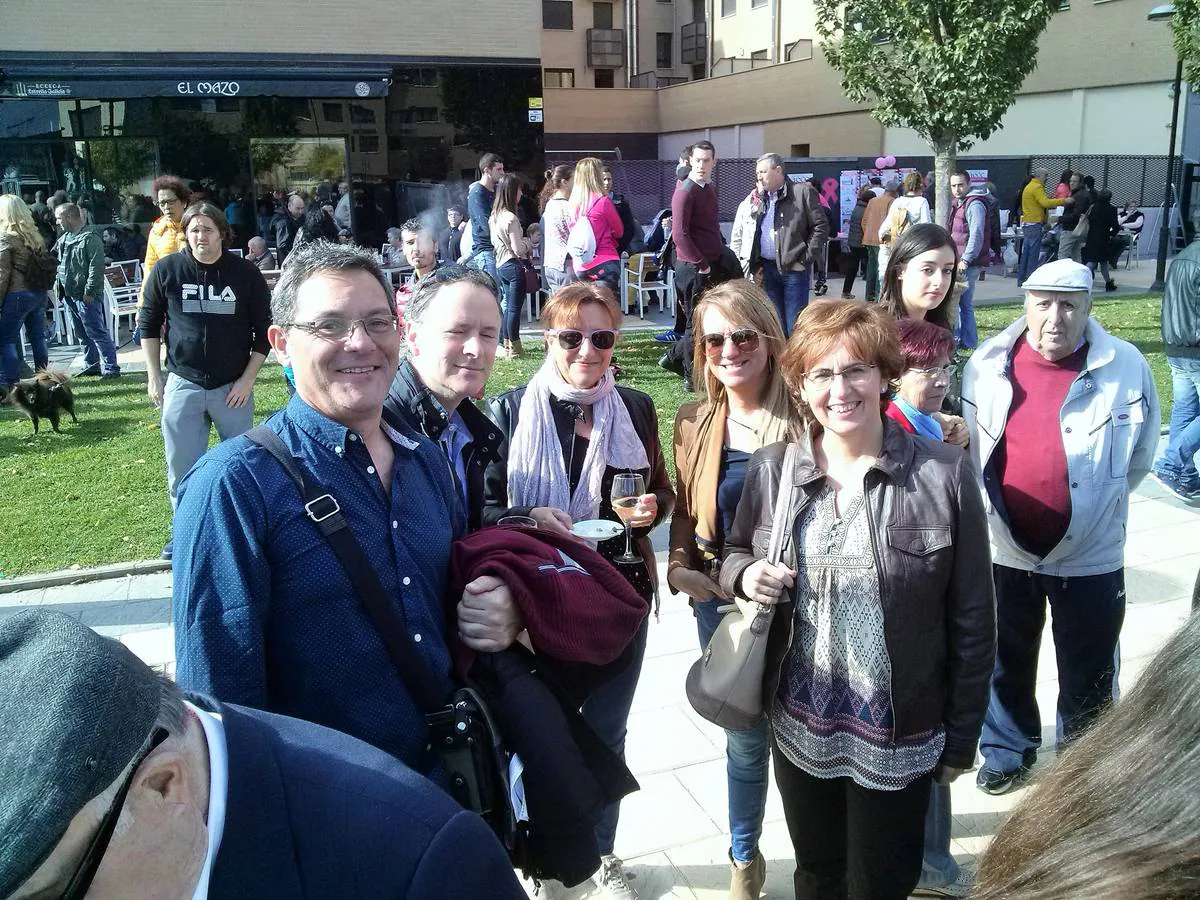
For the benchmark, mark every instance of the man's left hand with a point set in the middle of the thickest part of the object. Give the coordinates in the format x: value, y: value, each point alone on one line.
x: 239, y: 393
x: 488, y: 618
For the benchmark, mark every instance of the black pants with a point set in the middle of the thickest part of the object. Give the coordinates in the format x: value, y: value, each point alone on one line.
x: 689, y: 284
x: 851, y: 842
x: 857, y: 257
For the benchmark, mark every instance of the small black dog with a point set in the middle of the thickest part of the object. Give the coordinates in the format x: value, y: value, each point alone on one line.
x: 45, y: 396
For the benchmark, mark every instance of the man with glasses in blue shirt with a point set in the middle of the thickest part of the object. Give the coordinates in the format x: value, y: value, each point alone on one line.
x: 265, y: 614
x: 117, y: 785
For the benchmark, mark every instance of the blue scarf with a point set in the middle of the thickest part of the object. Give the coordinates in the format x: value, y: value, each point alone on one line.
x: 925, y: 424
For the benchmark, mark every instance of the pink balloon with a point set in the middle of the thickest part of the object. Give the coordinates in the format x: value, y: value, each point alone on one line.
x: 889, y: 161
x: 881, y: 162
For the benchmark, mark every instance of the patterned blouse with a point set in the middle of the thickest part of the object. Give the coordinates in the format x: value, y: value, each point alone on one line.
x: 832, y: 715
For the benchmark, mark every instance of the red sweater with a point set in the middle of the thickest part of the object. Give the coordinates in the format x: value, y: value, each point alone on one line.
x: 1030, y: 460
x: 694, y: 224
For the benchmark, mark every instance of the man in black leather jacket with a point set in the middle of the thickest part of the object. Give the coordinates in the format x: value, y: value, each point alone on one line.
x: 453, y: 324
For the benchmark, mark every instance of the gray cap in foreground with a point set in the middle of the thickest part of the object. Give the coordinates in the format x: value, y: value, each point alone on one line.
x: 75, y: 708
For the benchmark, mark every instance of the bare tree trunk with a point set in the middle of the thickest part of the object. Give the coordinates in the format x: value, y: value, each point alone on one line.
x: 945, y: 160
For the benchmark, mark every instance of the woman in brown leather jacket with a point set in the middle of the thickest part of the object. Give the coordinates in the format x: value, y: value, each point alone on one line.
x: 881, y: 650
x: 19, y: 305
x: 739, y: 343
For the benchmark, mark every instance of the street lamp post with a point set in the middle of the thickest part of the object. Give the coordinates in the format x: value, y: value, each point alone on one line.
x: 1159, y: 14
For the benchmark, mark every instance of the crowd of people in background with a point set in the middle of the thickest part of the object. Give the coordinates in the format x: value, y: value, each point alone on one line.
x: 932, y: 513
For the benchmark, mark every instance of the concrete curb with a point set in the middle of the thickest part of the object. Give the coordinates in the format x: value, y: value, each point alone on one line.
x: 80, y: 576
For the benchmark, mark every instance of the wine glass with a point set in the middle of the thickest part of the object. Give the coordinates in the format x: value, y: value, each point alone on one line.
x: 627, y: 487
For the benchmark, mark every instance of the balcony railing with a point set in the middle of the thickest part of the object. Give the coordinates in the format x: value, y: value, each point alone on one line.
x: 605, y: 48
x: 654, y: 80
x: 693, y: 43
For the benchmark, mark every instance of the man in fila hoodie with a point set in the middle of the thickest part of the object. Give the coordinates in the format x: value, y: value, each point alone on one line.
x: 214, y: 308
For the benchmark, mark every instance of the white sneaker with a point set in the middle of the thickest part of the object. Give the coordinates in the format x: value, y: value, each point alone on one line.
x: 960, y: 887
x: 613, y: 881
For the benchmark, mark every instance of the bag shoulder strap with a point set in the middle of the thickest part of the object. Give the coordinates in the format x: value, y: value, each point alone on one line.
x: 783, y: 505
x: 323, y: 509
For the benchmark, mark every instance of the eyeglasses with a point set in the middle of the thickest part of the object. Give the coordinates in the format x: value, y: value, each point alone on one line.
x: 854, y: 375
x: 571, y: 338
x: 81, y: 881
x: 933, y: 372
x: 336, y: 329
x: 745, y: 340
x: 169, y: 202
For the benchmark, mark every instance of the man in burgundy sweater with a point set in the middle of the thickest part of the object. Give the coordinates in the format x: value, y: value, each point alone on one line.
x: 701, y: 257
x: 1064, y: 423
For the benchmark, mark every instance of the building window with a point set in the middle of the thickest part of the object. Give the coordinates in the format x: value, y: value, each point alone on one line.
x: 333, y: 112
x: 602, y: 15
x: 368, y: 143
x: 728, y: 7
x: 604, y: 78
x: 757, y: 4
x: 558, y: 14
x: 361, y: 115
x: 558, y: 78
x: 698, y: 72
x: 425, y: 77
x: 801, y: 150
x: 761, y: 54
x: 663, y: 49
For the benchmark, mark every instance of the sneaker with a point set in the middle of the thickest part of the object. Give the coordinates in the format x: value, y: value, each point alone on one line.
x: 995, y: 782
x: 1183, y: 490
x: 613, y: 881
x: 90, y: 371
x: 669, y: 336
x: 110, y: 375
x: 846, y: 296
x: 168, y: 550
x: 1110, y: 285
x: 960, y: 887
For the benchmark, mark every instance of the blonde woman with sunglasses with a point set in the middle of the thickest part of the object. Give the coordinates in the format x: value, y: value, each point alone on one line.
x: 567, y: 435
x: 738, y: 345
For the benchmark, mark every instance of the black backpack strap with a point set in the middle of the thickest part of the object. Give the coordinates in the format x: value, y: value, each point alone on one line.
x: 323, y: 509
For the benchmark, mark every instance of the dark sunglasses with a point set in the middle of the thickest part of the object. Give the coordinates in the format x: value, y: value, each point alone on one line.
x: 744, y: 339
x: 571, y: 338
x: 81, y: 881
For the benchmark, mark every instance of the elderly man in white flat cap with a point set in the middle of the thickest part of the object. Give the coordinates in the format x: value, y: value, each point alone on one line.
x: 1064, y: 423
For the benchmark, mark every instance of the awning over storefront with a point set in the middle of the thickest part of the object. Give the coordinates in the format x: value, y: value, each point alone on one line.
x: 41, y: 76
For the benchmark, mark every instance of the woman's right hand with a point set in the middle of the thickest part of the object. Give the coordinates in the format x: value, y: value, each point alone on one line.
x: 766, y: 583
x: 696, y: 584
x: 551, y: 519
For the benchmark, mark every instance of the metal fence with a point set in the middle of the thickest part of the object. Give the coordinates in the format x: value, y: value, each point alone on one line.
x: 1137, y: 178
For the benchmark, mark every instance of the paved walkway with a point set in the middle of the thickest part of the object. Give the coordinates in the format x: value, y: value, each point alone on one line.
x: 673, y: 832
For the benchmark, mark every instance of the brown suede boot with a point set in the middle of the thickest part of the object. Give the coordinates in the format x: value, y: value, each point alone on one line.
x: 515, y: 351
x: 746, y: 879
x: 502, y: 349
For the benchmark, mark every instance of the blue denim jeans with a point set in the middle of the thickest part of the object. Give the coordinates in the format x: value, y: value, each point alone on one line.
x: 607, y: 711
x: 27, y: 308
x: 787, y: 290
x: 966, y: 334
x: 512, y: 298
x: 1183, y: 440
x: 485, y: 261
x: 98, y: 346
x: 938, y: 865
x: 747, y: 755
x: 1031, y: 251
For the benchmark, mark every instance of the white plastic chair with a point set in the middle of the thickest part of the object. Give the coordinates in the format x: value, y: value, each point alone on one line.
x: 634, y: 278
x: 121, y: 302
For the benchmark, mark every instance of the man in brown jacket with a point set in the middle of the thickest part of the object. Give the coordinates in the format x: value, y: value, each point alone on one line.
x: 872, y: 219
x: 790, y: 231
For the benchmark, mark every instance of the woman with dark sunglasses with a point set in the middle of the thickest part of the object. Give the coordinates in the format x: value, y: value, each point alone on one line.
x: 738, y: 345
x: 565, y: 436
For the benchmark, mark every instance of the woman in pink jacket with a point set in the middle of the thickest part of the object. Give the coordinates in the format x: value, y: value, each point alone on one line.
x: 589, y: 200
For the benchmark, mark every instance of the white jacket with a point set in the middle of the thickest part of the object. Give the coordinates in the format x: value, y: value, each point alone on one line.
x: 741, y: 237
x: 1109, y: 429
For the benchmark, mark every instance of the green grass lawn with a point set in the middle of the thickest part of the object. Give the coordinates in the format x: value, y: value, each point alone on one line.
x: 96, y: 493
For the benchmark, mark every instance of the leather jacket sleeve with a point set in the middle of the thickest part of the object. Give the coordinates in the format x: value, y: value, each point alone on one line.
x: 502, y: 411
x: 970, y: 623
x: 747, y: 541
x: 682, y: 553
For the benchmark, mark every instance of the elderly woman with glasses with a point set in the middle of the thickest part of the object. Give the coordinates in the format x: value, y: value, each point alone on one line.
x: 881, y: 646
x: 739, y: 342
x: 567, y: 436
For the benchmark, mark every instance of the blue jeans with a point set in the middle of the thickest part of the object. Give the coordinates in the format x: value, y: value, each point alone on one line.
x: 607, y: 711
x: 27, y: 308
x: 747, y: 755
x: 512, y: 298
x: 966, y: 334
x: 1087, y: 612
x: 1031, y: 251
x: 98, y: 346
x: 787, y: 290
x: 1183, y: 440
x: 938, y: 865
x: 485, y: 261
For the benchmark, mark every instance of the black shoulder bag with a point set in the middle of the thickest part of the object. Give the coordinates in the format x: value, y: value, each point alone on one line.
x: 461, y: 730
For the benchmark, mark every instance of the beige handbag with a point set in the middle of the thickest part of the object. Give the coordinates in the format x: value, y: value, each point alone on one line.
x: 725, y: 685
